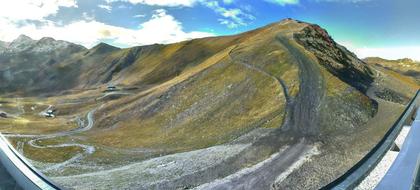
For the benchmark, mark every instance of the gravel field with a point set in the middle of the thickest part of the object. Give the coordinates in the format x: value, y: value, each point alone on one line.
x: 144, y: 174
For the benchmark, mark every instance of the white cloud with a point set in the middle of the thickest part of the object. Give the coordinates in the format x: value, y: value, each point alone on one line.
x: 139, y: 16
x: 228, y: 23
x: 88, y: 16
x: 392, y: 53
x: 161, y: 28
x: 295, y: 2
x: 228, y: 1
x: 106, y: 7
x: 32, y: 9
x: 169, y: 3
x: 232, y: 17
x: 283, y: 2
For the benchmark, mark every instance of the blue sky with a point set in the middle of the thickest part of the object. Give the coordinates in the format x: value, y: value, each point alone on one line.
x: 386, y: 28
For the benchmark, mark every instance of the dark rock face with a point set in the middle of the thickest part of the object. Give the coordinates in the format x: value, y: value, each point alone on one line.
x: 392, y: 96
x: 337, y: 59
x: 3, y: 115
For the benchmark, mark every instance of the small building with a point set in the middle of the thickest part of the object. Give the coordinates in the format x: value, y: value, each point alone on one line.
x: 111, y: 89
x: 50, y: 113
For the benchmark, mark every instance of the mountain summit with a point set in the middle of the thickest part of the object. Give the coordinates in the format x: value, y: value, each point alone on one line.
x: 208, y: 108
x: 25, y: 61
x: 45, y: 45
x: 20, y: 44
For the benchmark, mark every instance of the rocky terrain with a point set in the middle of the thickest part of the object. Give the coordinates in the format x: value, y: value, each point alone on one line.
x: 27, y: 64
x: 282, y: 107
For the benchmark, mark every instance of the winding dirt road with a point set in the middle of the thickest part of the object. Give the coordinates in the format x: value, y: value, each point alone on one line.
x: 305, y: 109
x: 82, y: 128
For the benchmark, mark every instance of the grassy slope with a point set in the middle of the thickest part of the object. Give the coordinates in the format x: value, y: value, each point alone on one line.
x: 403, y: 66
x: 24, y: 117
x: 206, y: 104
x: 221, y: 101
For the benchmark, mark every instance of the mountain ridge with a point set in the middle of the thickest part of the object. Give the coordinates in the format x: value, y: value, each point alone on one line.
x: 25, y: 62
x: 287, y: 84
x: 44, y: 45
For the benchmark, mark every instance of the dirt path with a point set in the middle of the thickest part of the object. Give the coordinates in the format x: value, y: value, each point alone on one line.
x: 253, y: 67
x: 87, y: 148
x: 264, y: 174
x: 122, y: 93
x: 305, y: 108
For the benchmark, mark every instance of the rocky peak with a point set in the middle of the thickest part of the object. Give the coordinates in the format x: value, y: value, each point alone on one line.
x: 334, y: 57
x: 46, y: 40
x: 22, y: 38
x: 103, y: 48
x: 44, y: 45
x: 290, y: 20
x: 48, y: 44
x: 21, y: 43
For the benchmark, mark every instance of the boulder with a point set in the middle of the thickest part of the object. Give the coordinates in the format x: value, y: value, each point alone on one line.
x: 3, y: 115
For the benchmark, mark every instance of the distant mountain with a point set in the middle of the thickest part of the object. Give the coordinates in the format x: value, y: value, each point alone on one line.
x: 404, y: 66
x: 24, y: 61
x: 20, y: 44
x: 103, y: 48
x: 25, y: 44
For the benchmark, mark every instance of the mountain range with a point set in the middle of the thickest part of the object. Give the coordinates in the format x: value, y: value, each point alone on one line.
x: 26, y: 62
x: 288, y: 83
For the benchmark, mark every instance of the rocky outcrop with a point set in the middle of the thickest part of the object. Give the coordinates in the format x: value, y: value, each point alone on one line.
x: 3, y: 115
x: 336, y: 58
